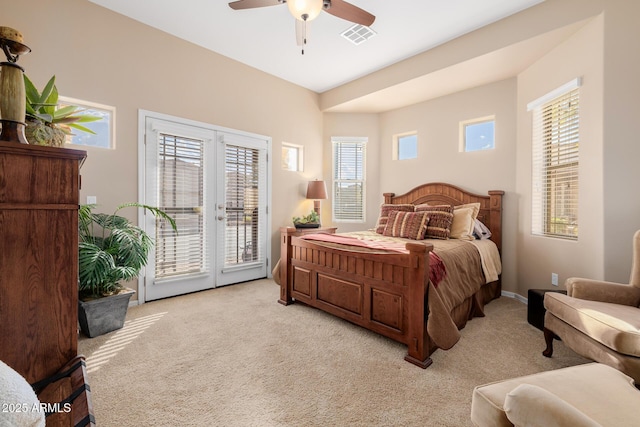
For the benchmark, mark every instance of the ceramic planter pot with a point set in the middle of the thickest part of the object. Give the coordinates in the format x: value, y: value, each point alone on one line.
x: 103, y: 315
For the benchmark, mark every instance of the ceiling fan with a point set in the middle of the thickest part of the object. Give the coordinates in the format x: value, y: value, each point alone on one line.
x: 307, y: 10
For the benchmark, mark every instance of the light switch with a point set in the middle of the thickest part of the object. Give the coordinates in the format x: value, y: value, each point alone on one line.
x: 92, y: 200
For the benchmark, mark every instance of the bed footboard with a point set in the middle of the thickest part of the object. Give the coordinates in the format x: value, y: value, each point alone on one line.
x: 383, y: 292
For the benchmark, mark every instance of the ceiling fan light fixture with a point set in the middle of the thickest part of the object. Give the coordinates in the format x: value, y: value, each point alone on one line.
x: 305, y: 10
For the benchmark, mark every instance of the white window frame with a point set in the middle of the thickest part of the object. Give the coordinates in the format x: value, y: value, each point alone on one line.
x: 299, y: 154
x: 109, y: 113
x: 338, y: 142
x: 555, y: 162
x: 463, y: 133
x: 397, y: 142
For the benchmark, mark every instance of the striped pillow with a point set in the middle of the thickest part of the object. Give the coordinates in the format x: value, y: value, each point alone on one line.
x: 387, y: 208
x: 440, y: 219
x: 411, y: 225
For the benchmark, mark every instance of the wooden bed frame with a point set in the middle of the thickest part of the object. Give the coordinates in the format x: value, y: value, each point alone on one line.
x: 385, y: 293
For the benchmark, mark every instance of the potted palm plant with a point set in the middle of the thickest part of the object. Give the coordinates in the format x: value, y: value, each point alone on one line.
x: 111, y: 251
x: 47, y: 122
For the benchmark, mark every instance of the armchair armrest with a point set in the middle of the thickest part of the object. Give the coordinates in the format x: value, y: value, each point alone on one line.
x: 595, y: 290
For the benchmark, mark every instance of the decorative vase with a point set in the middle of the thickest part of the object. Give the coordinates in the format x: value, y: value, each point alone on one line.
x: 103, y: 315
x: 38, y: 133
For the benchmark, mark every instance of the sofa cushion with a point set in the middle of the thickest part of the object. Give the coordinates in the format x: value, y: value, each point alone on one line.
x: 613, y: 325
x: 582, y: 387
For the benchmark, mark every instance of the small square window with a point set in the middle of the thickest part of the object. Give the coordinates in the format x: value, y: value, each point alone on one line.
x: 477, y: 134
x: 104, y: 128
x: 292, y: 157
x: 405, y: 146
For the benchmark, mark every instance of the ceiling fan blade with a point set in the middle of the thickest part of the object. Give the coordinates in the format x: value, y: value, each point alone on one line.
x: 344, y: 10
x: 250, y: 4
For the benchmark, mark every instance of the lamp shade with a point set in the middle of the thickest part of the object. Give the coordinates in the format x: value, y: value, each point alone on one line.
x: 305, y: 10
x: 316, y: 190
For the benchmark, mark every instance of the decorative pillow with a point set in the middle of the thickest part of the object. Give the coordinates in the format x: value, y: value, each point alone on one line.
x: 385, y: 209
x: 411, y: 225
x: 15, y: 391
x: 440, y: 219
x: 474, y: 206
x: 480, y: 230
x: 462, y: 224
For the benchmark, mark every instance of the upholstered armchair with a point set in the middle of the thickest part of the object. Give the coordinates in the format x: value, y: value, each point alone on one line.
x: 599, y: 320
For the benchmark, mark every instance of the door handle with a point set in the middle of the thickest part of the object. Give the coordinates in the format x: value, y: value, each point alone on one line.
x: 220, y: 218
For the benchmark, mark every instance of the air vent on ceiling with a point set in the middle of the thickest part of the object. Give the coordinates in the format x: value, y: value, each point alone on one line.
x: 358, y: 34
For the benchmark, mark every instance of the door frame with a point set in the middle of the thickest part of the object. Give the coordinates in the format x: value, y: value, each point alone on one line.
x: 142, y: 117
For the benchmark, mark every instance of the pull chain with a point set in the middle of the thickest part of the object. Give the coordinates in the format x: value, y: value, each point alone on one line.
x: 304, y: 31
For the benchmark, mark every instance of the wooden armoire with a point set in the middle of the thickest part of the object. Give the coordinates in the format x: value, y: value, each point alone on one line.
x: 39, y: 199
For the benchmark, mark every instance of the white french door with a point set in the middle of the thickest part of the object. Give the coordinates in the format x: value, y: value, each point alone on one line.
x: 242, y: 208
x: 214, y: 183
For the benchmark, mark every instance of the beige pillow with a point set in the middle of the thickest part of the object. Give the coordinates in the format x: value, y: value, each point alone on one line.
x: 462, y: 225
x: 531, y: 406
x: 474, y: 206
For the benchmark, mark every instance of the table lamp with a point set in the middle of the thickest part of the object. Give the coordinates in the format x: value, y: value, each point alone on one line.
x: 317, y: 191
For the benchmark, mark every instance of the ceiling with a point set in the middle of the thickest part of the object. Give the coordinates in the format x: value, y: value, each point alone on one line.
x: 265, y: 38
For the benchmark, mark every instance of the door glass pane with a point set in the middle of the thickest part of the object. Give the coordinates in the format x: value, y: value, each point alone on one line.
x: 242, y: 173
x: 181, y: 195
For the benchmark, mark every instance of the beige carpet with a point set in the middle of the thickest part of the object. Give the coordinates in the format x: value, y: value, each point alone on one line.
x: 234, y: 357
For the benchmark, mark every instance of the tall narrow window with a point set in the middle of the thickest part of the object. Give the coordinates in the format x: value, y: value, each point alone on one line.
x: 555, y: 160
x: 349, y: 179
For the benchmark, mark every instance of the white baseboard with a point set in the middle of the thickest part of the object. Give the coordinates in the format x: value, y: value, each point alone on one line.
x: 515, y: 296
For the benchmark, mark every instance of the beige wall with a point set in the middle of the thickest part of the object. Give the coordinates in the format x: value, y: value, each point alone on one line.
x: 103, y: 57
x: 440, y: 160
x: 538, y: 257
x: 621, y: 150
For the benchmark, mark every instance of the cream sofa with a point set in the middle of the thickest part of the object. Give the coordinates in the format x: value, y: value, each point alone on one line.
x: 587, y: 395
x: 599, y: 320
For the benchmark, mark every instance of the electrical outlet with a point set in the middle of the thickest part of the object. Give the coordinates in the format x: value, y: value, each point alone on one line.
x: 92, y: 200
x: 554, y: 279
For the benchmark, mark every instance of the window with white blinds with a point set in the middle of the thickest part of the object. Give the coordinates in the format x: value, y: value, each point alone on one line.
x: 181, y: 190
x: 243, y: 174
x: 349, y: 159
x: 555, y: 161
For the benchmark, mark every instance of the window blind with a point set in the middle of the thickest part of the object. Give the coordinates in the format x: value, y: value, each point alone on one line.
x: 181, y: 190
x: 555, y: 154
x: 349, y: 180
x: 244, y: 173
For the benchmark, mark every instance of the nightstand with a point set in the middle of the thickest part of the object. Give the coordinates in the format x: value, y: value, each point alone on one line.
x: 320, y: 230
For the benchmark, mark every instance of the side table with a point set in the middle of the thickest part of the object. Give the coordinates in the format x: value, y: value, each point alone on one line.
x: 535, y: 306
